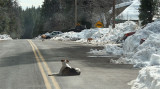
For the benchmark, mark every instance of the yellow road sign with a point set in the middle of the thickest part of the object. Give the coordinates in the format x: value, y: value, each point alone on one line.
x: 99, y: 24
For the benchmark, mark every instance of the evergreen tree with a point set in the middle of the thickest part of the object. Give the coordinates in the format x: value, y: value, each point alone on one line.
x: 10, y: 18
x: 30, y: 17
x: 49, y: 7
x: 147, y: 11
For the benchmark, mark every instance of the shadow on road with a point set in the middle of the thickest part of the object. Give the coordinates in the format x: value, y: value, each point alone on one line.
x: 71, y: 53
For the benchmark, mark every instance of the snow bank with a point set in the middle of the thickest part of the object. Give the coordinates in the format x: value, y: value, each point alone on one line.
x: 5, y: 37
x: 73, y: 36
x: 148, y: 78
x: 100, y: 36
x: 140, y: 54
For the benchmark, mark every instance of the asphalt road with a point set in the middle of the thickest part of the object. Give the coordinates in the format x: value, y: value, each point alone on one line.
x: 26, y: 65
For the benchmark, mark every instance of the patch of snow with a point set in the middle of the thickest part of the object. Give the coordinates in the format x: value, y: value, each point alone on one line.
x: 5, y: 37
x: 148, y: 78
x: 155, y: 59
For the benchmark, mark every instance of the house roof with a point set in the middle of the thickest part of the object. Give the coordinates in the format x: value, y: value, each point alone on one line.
x: 131, y: 12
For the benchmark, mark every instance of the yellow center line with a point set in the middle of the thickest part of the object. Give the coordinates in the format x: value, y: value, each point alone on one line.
x: 46, y: 81
x: 55, y: 83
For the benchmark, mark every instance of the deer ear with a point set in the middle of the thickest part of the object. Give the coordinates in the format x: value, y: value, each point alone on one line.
x: 62, y: 60
x: 67, y: 60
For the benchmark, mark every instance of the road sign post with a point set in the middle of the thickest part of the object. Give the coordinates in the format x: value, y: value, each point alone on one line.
x: 75, y: 13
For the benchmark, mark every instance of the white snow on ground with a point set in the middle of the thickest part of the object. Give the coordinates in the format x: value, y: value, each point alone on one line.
x: 131, y: 12
x: 5, y: 37
x: 148, y: 78
x: 100, y: 36
x: 109, y: 50
x: 140, y: 54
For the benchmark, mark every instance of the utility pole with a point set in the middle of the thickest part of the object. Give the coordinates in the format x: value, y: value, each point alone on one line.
x: 114, y: 3
x: 158, y: 9
x: 75, y: 13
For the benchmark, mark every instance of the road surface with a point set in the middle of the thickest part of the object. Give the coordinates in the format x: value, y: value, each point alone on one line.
x: 26, y: 64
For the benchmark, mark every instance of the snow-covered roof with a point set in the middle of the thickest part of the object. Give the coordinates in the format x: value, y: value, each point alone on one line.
x: 131, y: 12
x: 121, y: 5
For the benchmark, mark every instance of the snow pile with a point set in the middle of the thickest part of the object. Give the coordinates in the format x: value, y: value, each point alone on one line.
x: 148, y: 78
x: 109, y: 50
x: 38, y: 37
x: 155, y: 59
x: 114, y: 34
x: 100, y: 36
x: 140, y: 54
x: 5, y: 37
x: 113, y: 49
x: 73, y: 36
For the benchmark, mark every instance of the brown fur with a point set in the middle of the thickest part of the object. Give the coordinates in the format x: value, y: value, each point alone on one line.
x: 43, y: 36
x: 89, y: 39
x: 64, y: 60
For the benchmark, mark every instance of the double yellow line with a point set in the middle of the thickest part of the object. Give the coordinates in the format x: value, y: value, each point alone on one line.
x: 39, y: 59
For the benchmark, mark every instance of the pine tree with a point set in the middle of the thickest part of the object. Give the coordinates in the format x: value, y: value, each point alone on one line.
x: 9, y: 18
x: 147, y: 11
x: 49, y: 7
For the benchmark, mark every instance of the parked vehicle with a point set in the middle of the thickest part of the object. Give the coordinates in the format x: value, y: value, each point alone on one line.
x: 50, y: 35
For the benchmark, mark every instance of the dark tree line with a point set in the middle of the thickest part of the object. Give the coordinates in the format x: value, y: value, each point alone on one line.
x: 55, y: 15
x: 10, y: 22
x: 30, y: 17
